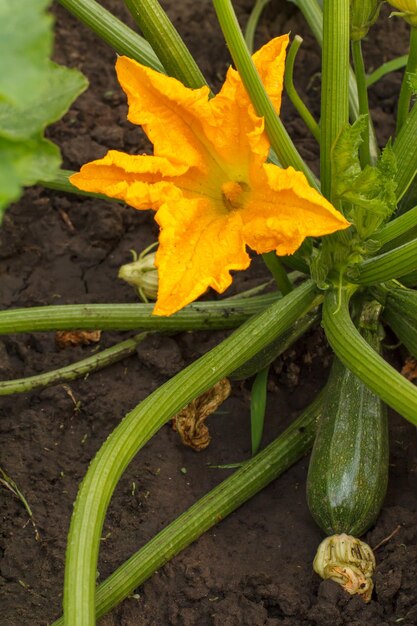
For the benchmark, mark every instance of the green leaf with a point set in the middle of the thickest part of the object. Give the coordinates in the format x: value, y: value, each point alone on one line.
x: 34, y: 92
x: 23, y: 163
x: 47, y: 105
x: 257, y: 408
x: 25, y: 47
x: 369, y: 193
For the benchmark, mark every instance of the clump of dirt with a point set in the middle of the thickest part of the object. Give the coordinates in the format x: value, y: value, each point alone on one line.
x: 254, y: 569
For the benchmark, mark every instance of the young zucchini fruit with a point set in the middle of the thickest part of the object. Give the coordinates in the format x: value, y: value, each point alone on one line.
x: 348, y: 474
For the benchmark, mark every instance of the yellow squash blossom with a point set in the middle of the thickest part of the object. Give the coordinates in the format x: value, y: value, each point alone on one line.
x: 408, y: 10
x: 208, y: 180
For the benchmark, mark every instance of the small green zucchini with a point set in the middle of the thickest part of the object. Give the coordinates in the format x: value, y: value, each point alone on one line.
x: 348, y: 471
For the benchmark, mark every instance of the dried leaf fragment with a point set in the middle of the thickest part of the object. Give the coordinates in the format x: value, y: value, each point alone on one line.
x: 65, y: 338
x: 190, y: 421
x: 409, y: 369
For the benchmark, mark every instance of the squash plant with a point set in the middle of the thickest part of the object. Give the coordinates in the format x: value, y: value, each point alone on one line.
x: 240, y: 181
x: 34, y: 92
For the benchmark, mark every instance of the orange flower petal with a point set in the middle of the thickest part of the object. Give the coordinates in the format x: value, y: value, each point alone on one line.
x: 283, y: 210
x: 270, y: 63
x: 208, y: 180
x: 172, y: 115
x: 198, y: 246
x: 242, y: 138
x: 136, y: 179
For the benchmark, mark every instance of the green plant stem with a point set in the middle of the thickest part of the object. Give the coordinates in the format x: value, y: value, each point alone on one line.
x: 405, y: 150
x: 277, y: 270
x: 314, y: 17
x: 120, y: 37
x: 253, y: 21
x: 166, y: 42
x: 335, y: 84
x: 399, y: 230
x: 254, y: 291
x: 60, y: 182
x: 406, y: 90
x: 275, y: 348
x: 392, y: 264
x: 296, y: 262
x: 386, y: 68
x: 75, y: 370
x: 404, y: 328
x: 303, y: 111
x: 364, y: 149
x: 253, y: 476
x: 397, y: 298
x: 137, y: 428
x: 278, y: 136
x: 197, y: 316
x: 358, y: 356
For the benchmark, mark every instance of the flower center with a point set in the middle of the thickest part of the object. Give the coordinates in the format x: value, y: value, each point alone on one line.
x: 233, y: 194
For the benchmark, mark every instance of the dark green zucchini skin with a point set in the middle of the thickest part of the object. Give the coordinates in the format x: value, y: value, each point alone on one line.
x: 348, y: 471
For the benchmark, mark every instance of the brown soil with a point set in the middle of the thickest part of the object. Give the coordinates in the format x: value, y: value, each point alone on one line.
x: 254, y: 568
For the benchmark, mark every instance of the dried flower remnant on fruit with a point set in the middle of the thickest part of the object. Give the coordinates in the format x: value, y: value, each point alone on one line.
x: 406, y: 9
x: 190, y: 421
x: 142, y: 274
x: 216, y: 195
x: 363, y: 14
x: 348, y: 562
x: 66, y: 338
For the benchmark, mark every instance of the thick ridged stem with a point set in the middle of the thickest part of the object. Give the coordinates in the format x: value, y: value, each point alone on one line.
x: 406, y: 89
x: 198, y: 316
x: 314, y: 17
x: 358, y: 356
x: 166, y: 42
x: 209, y: 510
x: 399, y: 299
x: 400, y: 230
x: 405, y: 149
x: 364, y: 149
x: 404, y: 328
x: 138, y: 427
x: 392, y: 264
x: 335, y: 84
x: 120, y: 37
